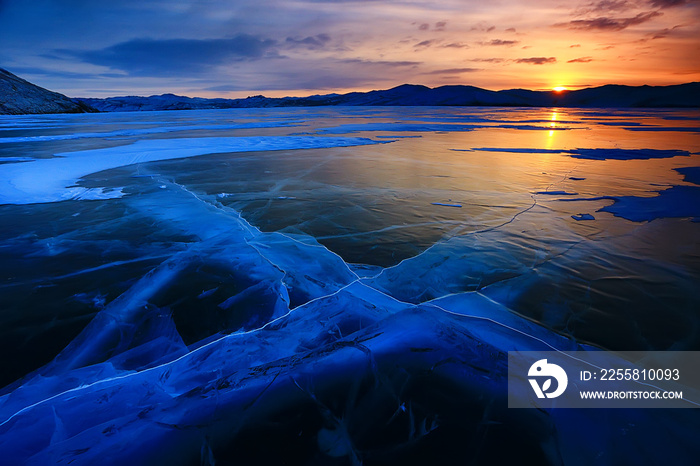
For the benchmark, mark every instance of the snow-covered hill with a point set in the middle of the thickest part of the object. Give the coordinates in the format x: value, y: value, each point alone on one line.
x: 18, y: 97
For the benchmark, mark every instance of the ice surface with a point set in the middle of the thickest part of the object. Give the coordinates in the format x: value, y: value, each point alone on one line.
x: 428, y: 127
x: 445, y: 204
x: 144, y: 131
x: 677, y: 201
x: 52, y: 180
x: 556, y: 193
x: 315, y: 300
x: 689, y: 129
x: 15, y: 159
x: 691, y: 174
x: 597, y: 154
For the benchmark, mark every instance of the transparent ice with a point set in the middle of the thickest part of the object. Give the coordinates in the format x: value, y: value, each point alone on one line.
x: 194, y: 287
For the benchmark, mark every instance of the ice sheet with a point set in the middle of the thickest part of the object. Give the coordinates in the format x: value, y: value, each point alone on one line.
x: 677, y: 201
x: 691, y: 174
x: 144, y: 131
x: 431, y: 127
x: 596, y: 154
x: 52, y: 180
x: 329, y: 298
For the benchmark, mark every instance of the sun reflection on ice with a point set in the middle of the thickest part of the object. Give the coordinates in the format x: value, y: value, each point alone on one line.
x: 550, y: 137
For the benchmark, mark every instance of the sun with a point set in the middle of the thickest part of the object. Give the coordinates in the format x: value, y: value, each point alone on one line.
x: 559, y: 89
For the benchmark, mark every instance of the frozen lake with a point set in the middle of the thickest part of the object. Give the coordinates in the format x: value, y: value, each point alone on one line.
x: 183, y: 233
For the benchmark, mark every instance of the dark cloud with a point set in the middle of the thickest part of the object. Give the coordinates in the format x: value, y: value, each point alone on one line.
x: 581, y: 60
x: 536, y: 60
x: 613, y: 5
x: 440, y: 25
x: 607, y: 6
x: 150, y: 57
x: 510, y: 30
x: 424, y: 27
x: 484, y: 27
x: 225, y: 88
x: 425, y: 43
x: 488, y: 60
x: 668, y: 3
x: 609, y: 24
x: 574, y: 46
x: 499, y: 42
x: 453, y: 71
x: 665, y: 32
x: 360, y: 61
x: 311, y: 42
x: 455, y: 45
x: 34, y: 71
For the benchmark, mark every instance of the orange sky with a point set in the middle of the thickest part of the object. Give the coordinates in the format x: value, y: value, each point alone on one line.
x: 299, y: 47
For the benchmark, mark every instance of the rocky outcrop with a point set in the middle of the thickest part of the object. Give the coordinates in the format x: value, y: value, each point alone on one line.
x: 18, y: 97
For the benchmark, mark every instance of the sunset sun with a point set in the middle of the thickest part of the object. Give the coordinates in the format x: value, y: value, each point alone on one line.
x: 559, y: 89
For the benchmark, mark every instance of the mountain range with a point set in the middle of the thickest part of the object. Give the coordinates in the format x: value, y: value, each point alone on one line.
x: 683, y: 95
x: 19, y: 96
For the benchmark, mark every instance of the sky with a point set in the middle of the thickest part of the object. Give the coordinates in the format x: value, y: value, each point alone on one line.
x: 237, y: 48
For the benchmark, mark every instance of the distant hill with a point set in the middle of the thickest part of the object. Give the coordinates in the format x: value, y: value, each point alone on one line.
x: 679, y: 96
x: 18, y: 97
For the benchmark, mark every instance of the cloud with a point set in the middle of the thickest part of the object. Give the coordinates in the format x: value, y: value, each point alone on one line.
x: 574, y: 46
x: 225, y: 88
x: 664, y: 32
x: 667, y: 3
x: 455, y: 45
x: 440, y: 25
x: 151, y: 57
x: 499, y: 42
x: 488, y: 60
x: 361, y: 61
x: 606, y: 6
x: 311, y: 42
x: 609, y: 24
x: 425, y: 43
x: 510, y: 30
x: 536, y: 60
x: 482, y: 26
x: 36, y: 71
x: 581, y: 60
x: 424, y: 27
x: 453, y: 71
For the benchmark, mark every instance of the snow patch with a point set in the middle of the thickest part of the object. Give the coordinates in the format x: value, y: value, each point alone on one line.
x: 53, y: 180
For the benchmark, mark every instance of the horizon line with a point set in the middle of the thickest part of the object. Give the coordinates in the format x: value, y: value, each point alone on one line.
x: 568, y: 89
